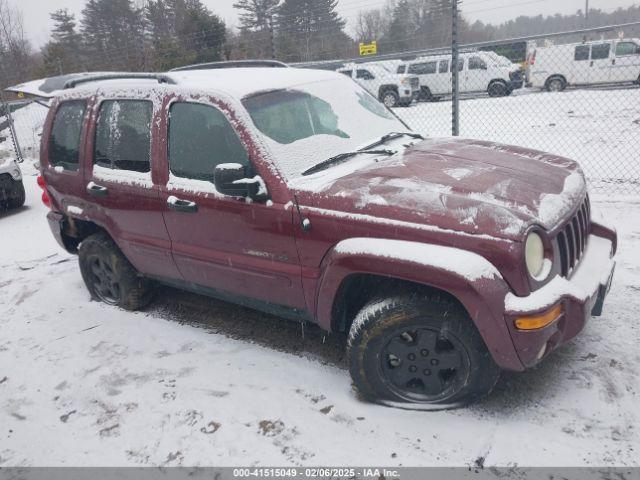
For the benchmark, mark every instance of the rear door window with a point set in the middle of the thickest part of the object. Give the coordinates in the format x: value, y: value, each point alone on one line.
x: 600, y: 51
x: 64, y: 142
x: 582, y: 53
x: 444, y: 66
x: 123, y: 135
x: 200, y: 138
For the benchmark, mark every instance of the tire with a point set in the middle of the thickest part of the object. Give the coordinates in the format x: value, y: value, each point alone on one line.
x: 425, y: 95
x: 421, y: 352
x: 555, y: 84
x: 18, y: 197
x: 390, y: 98
x: 498, y: 89
x: 109, y: 276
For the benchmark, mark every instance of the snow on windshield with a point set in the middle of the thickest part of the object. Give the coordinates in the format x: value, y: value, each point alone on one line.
x: 309, y: 123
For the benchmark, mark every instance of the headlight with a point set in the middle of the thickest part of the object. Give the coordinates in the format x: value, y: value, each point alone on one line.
x: 404, y: 81
x: 537, y: 265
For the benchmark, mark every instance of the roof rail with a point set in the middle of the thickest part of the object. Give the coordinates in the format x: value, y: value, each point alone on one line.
x: 232, y: 64
x: 161, y: 78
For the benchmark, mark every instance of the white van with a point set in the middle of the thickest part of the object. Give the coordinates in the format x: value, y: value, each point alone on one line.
x: 590, y: 63
x: 479, y: 72
x: 390, y: 88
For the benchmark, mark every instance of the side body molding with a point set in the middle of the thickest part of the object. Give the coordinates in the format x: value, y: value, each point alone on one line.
x: 470, y: 278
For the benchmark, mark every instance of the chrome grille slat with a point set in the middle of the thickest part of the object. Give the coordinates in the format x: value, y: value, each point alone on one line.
x: 572, y: 238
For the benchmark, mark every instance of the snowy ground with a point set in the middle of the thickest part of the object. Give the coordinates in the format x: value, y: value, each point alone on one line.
x: 194, y: 381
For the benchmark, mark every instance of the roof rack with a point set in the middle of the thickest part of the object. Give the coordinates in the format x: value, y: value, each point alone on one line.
x: 232, y: 64
x: 74, y: 82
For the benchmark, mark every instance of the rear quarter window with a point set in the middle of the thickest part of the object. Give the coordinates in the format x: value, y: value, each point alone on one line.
x: 66, y: 133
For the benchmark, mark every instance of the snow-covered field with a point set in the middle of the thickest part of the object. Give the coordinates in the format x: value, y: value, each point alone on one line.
x: 599, y: 128
x: 194, y: 381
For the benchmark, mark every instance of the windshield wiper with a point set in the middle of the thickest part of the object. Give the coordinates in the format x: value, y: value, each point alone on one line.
x: 393, y: 136
x: 343, y: 157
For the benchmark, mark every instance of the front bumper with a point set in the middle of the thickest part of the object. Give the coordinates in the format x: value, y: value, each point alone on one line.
x: 580, y: 297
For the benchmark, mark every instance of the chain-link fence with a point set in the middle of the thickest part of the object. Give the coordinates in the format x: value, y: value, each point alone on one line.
x: 25, y: 118
x: 574, y: 94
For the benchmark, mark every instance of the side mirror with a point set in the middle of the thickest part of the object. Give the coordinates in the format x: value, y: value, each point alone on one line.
x: 231, y: 179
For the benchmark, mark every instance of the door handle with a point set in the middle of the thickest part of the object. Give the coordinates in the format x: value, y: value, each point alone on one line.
x: 97, y: 190
x: 613, y: 62
x: 183, y: 206
x: 591, y: 64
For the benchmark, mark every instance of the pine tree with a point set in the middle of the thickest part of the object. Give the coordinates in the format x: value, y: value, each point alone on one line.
x: 311, y: 29
x: 257, y: 25
x: 113, y: 34
x: 62, y: 54
x: 400, y: 29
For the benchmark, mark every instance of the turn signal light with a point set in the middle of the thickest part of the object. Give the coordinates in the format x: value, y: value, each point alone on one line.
x: 535, y: 322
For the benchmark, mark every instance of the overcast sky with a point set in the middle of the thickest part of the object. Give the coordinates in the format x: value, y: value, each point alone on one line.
x: 38, y: 23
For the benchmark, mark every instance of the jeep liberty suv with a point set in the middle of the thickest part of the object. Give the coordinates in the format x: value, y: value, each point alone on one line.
x: 296, y: 192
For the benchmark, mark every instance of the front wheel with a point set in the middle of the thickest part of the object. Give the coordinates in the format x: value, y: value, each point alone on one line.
x: 390, y: 98
x: 498, y: 89
x: 419, y: 352
x: 18, y: 195
x: 109, y: 276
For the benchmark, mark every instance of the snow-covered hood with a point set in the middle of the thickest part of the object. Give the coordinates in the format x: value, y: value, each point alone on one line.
x: 465, y: 185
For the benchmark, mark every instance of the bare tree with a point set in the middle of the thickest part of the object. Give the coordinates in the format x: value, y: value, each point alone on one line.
x: 15, y: 49
x: 370, y: 25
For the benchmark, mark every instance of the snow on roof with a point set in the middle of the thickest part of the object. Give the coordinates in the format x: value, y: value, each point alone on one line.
x: 235, y: 82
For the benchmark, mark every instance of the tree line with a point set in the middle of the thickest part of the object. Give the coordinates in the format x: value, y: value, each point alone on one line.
x: 149, y: 35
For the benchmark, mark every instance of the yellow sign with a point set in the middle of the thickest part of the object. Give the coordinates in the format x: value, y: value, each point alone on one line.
x: 369, y: 48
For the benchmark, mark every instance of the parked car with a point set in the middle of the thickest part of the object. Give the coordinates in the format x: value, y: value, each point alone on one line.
x: 479, y: 72
x: 556, y: 67
x: 390, y: 88
x: 296, y: 192
x: 12, y: 193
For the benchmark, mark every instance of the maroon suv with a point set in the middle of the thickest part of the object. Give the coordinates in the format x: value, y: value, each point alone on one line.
x: 296, y: 192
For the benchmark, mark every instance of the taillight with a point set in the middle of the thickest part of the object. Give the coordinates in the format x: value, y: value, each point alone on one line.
x: 45, y: 196
x: 532, y: 58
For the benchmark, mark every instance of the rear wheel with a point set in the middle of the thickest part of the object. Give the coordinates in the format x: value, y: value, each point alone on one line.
x: 556, y: 84
x: 421, y: 352
x: 425, y: 95
x: 109, y: 276
x: 390, y: 98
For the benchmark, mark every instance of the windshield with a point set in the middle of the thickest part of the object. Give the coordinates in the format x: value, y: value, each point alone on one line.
x: 310, y: 123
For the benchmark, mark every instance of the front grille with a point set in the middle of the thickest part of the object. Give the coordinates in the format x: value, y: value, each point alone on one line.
x: 415, y: 82
x: 572, y: 239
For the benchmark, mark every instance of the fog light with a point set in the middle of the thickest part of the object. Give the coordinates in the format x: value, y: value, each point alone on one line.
x: 535, y: 322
